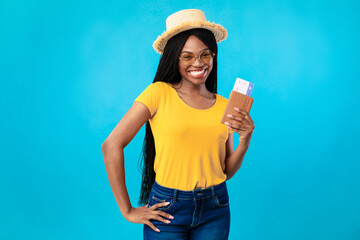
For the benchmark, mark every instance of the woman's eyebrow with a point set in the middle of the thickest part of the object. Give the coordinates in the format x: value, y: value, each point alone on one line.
x: 192, y: 52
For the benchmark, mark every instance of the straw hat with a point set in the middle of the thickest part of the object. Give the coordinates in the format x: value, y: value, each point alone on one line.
x: 184, y: 20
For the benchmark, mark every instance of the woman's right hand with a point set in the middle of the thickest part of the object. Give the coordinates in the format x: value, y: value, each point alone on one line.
x: 143, y: 215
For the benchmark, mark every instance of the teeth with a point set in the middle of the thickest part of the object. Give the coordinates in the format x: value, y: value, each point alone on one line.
x: 197, y: 72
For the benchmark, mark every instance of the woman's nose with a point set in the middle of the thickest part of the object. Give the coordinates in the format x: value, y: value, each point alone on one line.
x: 198, y: 62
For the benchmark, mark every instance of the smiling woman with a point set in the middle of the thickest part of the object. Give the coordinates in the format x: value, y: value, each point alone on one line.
x: 188, y: 59
x: 199, y: 66
x: 183, y: 192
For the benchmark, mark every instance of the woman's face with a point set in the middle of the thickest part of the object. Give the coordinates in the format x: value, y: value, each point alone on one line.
x: 197, y: 72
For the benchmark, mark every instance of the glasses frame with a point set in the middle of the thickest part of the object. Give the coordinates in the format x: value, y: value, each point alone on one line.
x: 193, y: 61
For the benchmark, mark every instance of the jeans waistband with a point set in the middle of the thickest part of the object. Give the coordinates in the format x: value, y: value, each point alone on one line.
x: 193, y: 194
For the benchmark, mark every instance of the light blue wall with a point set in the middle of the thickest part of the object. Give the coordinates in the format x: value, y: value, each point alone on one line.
x: 70, y: 70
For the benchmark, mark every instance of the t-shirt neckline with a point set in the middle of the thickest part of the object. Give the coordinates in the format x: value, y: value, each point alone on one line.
x: 196, y: 109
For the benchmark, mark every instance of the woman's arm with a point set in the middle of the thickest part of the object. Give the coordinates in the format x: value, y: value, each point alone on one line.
x: 244, y: 126
x: 234, y: 161
x: 114, y: 164
x: 113, y: 152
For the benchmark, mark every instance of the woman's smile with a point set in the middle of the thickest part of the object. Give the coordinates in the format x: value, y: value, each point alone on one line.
x: 198, y: 73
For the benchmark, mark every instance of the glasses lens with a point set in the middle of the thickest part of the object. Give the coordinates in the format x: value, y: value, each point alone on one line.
x: 187, y: 57
x: 206, y: 56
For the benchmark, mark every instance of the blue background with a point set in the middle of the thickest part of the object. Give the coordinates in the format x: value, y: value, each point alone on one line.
x: 70, y: 70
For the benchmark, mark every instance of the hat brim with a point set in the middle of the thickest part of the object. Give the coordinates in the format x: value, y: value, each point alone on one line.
x: 219, y: 32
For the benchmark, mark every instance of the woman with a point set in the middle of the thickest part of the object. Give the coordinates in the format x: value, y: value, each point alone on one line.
x: 183, y: 185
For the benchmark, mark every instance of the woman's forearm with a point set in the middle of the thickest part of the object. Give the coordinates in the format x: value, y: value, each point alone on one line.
x: 114, y: 164
x: 234, y: 161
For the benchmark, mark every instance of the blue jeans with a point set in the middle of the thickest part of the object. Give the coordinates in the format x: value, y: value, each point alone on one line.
x: 201, y: 214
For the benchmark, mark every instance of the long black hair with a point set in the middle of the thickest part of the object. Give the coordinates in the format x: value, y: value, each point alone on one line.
x: 168, y: 71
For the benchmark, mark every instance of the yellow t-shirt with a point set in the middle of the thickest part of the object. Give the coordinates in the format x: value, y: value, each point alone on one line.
x: 190, y: 144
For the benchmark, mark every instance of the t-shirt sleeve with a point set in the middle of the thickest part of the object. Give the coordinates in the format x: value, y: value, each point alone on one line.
x: 151, y: 97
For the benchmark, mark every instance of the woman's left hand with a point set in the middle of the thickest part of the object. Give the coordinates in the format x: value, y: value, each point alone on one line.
x: 242, y: 124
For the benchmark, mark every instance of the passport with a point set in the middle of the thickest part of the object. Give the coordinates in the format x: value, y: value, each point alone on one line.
x: 240, y: 98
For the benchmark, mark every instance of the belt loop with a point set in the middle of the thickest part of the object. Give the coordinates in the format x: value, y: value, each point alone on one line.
x: 213, y: 191
x: 175, y: 193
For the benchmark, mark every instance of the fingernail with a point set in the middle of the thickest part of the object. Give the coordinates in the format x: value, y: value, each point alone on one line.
x: 167, y: 203
x: 226, y: 123
x: 171, y: 217
x: 229, y: 115
x: 237, y: 109
x: 167, y: 221
x: 157, y: 230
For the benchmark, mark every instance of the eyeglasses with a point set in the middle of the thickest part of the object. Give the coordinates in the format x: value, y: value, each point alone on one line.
x: 205, y: 56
